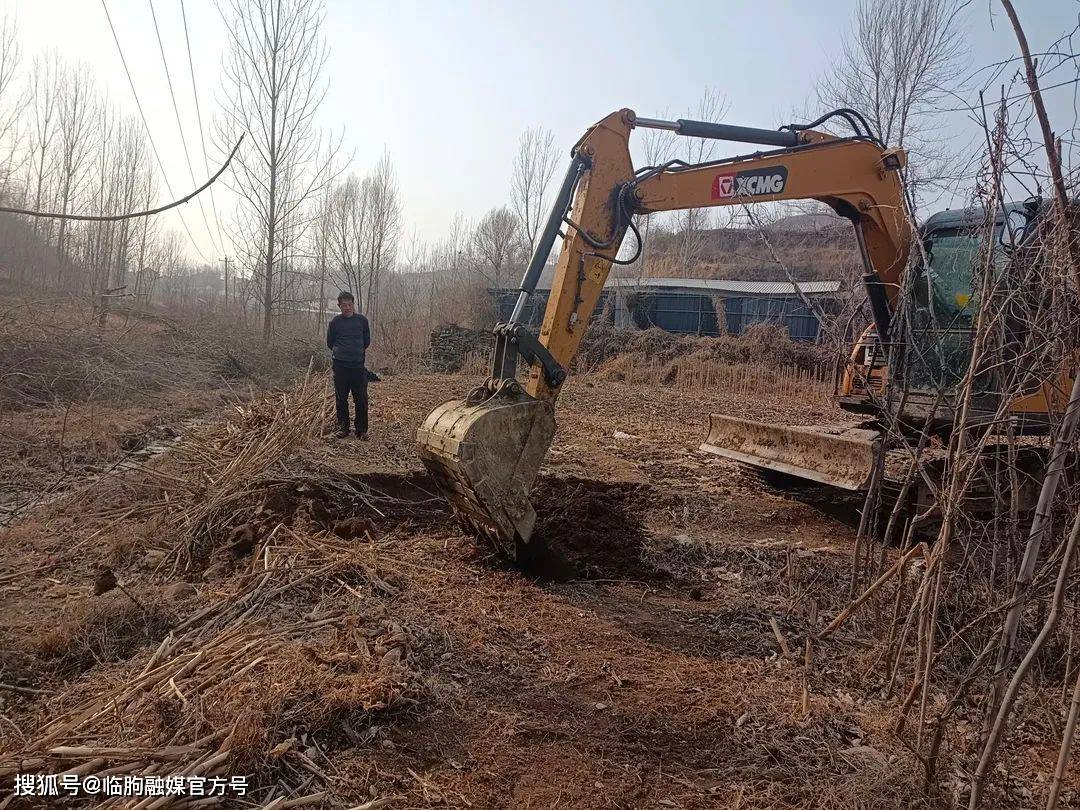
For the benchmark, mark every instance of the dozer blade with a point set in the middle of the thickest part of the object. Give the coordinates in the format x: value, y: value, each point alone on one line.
x: 484, y: 458
x: 840, y: 457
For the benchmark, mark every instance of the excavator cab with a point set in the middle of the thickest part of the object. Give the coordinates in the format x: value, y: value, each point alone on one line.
x: 943, y: 303
x: 945, y: 282
x: 932, y: 353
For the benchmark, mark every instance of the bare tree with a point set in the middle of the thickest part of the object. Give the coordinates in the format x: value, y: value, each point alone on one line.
x: 132, y: 161
x: 169, y: 266
x: 12, y: 97
x: 534, y: 166
x: 347, y: 233
x: 144, y: 275
x: 385, y: 218
x: 320, y: 251
x: 899, y: 61
x: 97, y: 256
x: 273, y: 76
x: 410, y: 309
x: 45, y: 92
x: 77, y: 141
x: 497, y: 242
x: 457, y: 296
x: 690, y: 225
x: 657, y: 146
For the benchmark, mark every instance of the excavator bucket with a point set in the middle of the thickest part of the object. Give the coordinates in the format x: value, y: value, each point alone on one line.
x: 839, y: 457
x: 484, y: 456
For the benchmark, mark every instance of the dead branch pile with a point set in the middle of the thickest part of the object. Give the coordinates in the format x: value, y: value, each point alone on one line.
x: 217, y: 476
x: 258, y: 682
x: 449, y: 347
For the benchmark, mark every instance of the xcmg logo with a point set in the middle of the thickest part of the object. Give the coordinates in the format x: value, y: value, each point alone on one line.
x: 750, y: 184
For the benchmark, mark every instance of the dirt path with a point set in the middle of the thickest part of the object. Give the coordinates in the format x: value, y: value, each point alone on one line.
x: 643, y: 671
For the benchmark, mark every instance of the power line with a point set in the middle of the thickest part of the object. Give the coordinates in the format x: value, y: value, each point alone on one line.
x: 117, y: 217
x: 179, y: 124
x: 146, y: 126
x: 198, y: 113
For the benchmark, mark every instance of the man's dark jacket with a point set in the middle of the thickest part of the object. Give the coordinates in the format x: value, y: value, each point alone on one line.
x: 348, y: 338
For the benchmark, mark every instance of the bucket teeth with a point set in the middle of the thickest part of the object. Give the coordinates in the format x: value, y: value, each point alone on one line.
x: 839, y: 457
x: 484, y: 458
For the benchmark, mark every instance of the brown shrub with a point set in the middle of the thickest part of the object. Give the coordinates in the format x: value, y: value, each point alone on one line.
x: 761, y: 344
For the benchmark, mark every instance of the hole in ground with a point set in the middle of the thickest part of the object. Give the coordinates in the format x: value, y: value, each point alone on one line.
x: 383, y: 499
x: 590, y: 529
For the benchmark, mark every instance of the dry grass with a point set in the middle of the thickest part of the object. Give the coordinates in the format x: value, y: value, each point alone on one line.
x: 214, y: 481
x: 760, y: 345
x: 78, y: 396
x: 697, y: 375
x: 57, y: 352
x: 762, y: 364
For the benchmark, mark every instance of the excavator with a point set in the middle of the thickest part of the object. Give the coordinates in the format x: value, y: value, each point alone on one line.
x: 484, y: 451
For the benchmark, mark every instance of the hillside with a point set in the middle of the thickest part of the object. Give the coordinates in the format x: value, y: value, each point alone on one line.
x: 812, y: 246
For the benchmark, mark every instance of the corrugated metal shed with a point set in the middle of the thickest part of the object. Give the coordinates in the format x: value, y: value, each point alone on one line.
x: 696, y: 305
x: 711, y: 284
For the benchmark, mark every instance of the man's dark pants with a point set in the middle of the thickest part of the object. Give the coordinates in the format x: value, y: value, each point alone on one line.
x: 351, y: 380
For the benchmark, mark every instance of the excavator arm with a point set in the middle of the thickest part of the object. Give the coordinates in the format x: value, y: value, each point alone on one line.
x: 485, y: 451
x: 855, y: 177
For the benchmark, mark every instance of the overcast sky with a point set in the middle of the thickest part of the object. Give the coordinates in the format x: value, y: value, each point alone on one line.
x: 448, y: 87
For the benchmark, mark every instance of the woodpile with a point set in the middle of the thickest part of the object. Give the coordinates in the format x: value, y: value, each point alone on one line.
x: 450, y: 346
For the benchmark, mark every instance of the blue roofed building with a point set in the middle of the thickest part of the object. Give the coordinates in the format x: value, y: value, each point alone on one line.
x: 696, y: 306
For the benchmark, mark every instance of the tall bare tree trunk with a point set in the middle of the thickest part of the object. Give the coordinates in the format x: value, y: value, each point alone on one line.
x: 274, y: 71
x: 271, y: 219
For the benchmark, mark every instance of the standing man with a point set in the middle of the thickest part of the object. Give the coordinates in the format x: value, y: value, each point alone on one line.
x: 348, y: 337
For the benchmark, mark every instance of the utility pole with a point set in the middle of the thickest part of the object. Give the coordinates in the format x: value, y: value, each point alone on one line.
x: 226, y: 260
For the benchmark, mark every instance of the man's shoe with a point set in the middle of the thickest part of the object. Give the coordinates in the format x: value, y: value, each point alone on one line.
x: 342, y: 432
x: 362, y: 437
